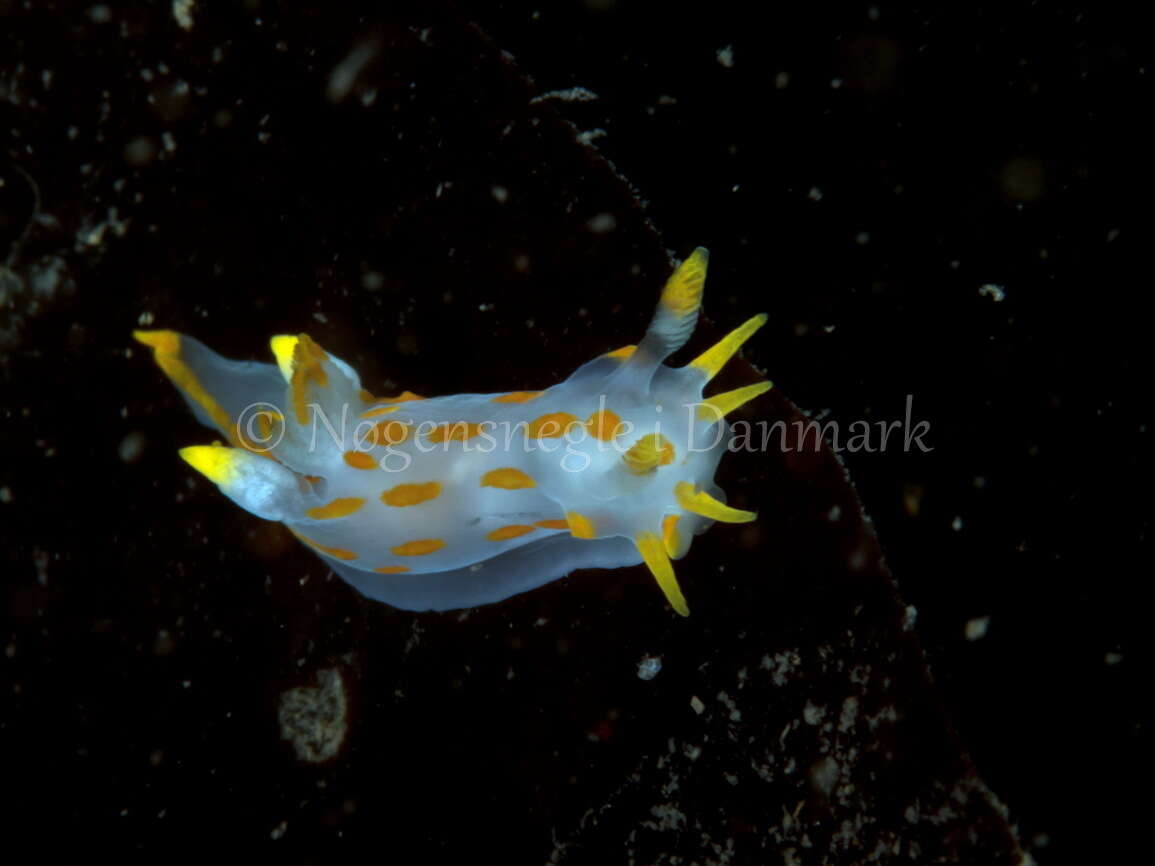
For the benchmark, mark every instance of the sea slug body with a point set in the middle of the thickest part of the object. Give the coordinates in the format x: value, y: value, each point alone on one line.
x: 450, y: 502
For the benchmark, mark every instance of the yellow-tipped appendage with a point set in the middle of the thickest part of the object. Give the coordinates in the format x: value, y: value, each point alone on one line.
x: 683, y: 290
x: 715, y: 358
x: 653, y: 551
x: 283, y: 346
x: 215, y: 462
x: 701, y: 502
x: 720, y: 405
x: 166, y: 351
x: 305, y: 372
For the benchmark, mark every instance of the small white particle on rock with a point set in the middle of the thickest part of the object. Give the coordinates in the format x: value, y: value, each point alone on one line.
x: 696, y: 705
x: 131, y: 447
x: 992, y: 291
x: 182, y: 11
x: 812, y: 713
x: 649, y: 667
x: 602, y: 223
x: 909, y: 616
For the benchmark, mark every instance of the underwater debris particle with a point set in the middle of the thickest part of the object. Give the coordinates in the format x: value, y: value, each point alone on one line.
x: 990, y: 290
x: 182, y: 11
x: 313, y: 718
x: 976, y: 628
x: 345, y: 73
x: 131, y: 447
x: 824, y: 774
x: 649, y: 667
x: 602, y: 223
x: 909, y: 617
x: 573, y: 94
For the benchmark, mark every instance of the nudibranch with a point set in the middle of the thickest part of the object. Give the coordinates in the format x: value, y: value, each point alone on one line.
x: 450, y: 502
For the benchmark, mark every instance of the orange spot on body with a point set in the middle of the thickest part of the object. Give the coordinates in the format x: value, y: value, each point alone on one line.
x: 517, y: 397
x: 421, y: 547
x: 604, y: 424
x: 335, y: 552
x: 392, y: 569
x: 342, y: 507
x: 380, y: 410
x: 388, y: 433
x: 552, y: 524
x: 457, y: 431
x: 622, y: 354
x: 504, y: 533
x: 403, y: 397
x: 360, y: 460
x: 411, y: 494
x: 507, y: 478
x: 551, y: 426
x: 580, y: 526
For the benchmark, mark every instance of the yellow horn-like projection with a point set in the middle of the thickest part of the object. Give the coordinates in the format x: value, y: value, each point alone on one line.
x: 715, y: 358
x: 653, y: 551
x: 720, y: 405
x: 701, y: 502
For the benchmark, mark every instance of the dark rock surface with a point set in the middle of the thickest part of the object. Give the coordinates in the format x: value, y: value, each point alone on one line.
x: 386, y: 181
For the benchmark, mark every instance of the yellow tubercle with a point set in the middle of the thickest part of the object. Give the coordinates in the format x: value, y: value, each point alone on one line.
x: 683, y: 291
x: 715, y: 358
x: 720, y: 405
x: 653, y: 552
x: 701, y: 502
x: 217, y: 463
x: 165, y: 347
x: 648, y: 453
x: 284, y: 346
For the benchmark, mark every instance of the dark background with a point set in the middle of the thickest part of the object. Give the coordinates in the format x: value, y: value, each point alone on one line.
x: 858, y: 172
x: 989, y: 144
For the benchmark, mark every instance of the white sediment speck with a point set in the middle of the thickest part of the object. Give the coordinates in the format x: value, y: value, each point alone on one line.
x: 909, y: 617
x: 572, y: 94
x: 182, y: 11
x: 649, y: 667
x: 976, y: 628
